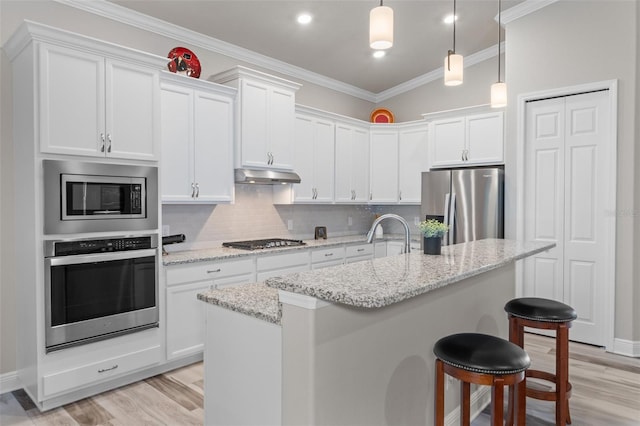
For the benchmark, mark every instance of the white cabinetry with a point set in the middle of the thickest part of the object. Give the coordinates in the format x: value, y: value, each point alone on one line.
x: 358, y: 253
x: 352, y: 164
x: 185, y: 313
x: 412, y: 161
x: 314, y: 159
x: 197, y: 141
x: 326, y: 257
x: 384, y: 165
x: 282, y: 264
x: 96, y: 100
x: 265, y: 115
x: 467, y: 140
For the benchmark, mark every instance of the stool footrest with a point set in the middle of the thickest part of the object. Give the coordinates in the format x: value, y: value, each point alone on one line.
x: 541, y: 394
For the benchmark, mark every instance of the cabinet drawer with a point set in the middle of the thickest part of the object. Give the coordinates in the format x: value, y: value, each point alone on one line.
x: 283, y: 261
x: 94, y: 372
x: 185, y: 273
x: 360, y: 250
x: 329, y: 254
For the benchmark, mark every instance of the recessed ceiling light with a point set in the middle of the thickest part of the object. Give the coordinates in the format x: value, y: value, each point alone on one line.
x: 304, y: 18
x: 379, y: 53
x: 449, y: 19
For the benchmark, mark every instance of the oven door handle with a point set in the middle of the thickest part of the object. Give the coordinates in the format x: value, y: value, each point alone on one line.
x: 100, y: 257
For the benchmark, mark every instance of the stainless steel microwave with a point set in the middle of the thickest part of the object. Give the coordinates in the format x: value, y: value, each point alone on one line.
x: 94, y: 197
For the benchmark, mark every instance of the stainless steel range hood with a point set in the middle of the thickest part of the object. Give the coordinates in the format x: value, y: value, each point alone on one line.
x: 265, y: 177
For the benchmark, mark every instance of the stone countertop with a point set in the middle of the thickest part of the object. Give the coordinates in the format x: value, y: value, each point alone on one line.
x: 224, y: 253
x: 256, y: 300
x: 384, y: 281
x: 375, y: 283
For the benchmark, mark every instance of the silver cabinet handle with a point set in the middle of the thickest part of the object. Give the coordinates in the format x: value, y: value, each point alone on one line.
x: 269, y: 158
x: 328, y: 254
x: 108, y: 142
x: 193, y: 190
x: 400, y: 195
x: 102, y: 139
x: 359, y: 250
x: 370, y: 196
x: 213, y: 271
x: 462, y: 156
x: 197, y: 190
x: 103, y: 370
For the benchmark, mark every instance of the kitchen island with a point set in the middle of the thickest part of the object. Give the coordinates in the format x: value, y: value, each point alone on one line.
x: 352, y: 344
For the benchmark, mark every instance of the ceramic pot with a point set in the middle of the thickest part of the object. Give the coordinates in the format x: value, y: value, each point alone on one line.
x: 432, y: 245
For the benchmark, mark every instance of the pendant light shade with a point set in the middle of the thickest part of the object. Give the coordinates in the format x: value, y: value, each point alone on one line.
x: 453, y: 63
x: 381, y: 27
x: 498, y: 95
x: 453, y: 66
x: 499, y: 89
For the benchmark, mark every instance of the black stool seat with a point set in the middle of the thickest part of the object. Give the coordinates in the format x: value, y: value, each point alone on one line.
x: 481, y: 353
x: 537, y: 309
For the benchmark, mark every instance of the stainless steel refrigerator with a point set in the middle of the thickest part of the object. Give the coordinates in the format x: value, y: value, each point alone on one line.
x: 470, y: 201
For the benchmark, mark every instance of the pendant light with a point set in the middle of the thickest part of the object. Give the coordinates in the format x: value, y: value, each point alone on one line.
x: 381, y: 27
x: 453, y: 63
x: 499, y: 89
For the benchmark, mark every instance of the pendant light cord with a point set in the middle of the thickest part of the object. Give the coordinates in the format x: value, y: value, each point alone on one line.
x: 499, y: 36
x: 452, y: 52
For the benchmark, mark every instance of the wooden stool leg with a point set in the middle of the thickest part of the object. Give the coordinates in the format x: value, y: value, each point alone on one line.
x: 439, y: 397
x: 465, y: 404
x: 521, y: 402
x: 562, y: 374
x: 516, y: 335
x: 497, y: 401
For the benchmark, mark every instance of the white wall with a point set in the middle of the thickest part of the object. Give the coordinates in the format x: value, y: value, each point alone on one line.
x: 569, y: 43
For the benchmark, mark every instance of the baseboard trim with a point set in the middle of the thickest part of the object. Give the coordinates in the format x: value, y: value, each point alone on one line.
x: 480, y: 398
x: 9, y: 382
x: 628, y: 348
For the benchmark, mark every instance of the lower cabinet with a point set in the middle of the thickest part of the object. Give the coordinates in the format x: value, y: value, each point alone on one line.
x: 282, y: 264
x: 324, y: 258
x: 185, y: 313
x: 358, y: 253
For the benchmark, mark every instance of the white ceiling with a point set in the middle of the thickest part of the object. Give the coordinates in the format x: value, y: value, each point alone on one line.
x: 336, y: 43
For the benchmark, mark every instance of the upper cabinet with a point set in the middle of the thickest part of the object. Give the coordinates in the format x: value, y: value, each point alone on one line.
x: 412, y: 161
x: 314, y: 159
x: 92, y: 98
x: 197, y: 141
x: 467, y: 140
x: 352, y: 163
x: 265, y: 118
x: 383, y: 172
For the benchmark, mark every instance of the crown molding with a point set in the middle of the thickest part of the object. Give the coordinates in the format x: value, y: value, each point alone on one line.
x: 473, y: 59
x: 139, y: 20
x: 523, y: 9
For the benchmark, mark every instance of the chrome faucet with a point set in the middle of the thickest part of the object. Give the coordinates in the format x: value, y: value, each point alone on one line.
x: 407, y: 245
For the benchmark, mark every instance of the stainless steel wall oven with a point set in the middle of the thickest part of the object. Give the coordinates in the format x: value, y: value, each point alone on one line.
x: 95, y: 197
x: 99, y: 288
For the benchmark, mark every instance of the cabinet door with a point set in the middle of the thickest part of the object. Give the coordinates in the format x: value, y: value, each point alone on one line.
x: 360, y: 156
x: 448, y: 142
x: 254, y: 123
x: 213, y: 154
x: 281, y: 109
x: 304, y: 191
x: 412, y: 161
x: 384, y: 166
x: 176, y: 170
x: 485, y: 140
x: 185, y: 319
x: 323, y: 160
x: 132, y: 111
x: 72, y: 101
x: 344, y: 164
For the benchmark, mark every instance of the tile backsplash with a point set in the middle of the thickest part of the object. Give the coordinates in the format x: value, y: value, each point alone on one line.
x: 254, y: 216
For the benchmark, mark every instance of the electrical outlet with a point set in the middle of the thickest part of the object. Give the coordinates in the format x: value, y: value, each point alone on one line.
x: 290, y: 224
x: 349, y: 221
x: 416, y: 220
x: 166, y: 230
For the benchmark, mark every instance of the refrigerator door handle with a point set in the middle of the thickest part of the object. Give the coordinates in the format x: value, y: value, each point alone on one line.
x: 447, y: 198
x: 451, y: 221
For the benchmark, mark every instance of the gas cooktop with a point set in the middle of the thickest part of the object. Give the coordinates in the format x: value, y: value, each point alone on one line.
x: 263, y: 244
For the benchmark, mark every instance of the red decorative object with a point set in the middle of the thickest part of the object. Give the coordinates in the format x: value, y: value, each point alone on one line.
x: 184, y: 61
x: 382, y: 115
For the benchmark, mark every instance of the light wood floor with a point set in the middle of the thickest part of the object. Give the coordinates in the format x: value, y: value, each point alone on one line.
x: 606, y: 392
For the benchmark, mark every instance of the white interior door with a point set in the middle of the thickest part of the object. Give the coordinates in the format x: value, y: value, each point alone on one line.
x: 566, y: 181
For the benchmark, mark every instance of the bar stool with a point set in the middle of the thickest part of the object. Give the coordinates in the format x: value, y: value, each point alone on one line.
x: 544, y: 314
x: 483, y: 360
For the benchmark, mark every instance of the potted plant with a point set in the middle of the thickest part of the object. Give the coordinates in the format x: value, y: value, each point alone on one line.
x: 432, y: 231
